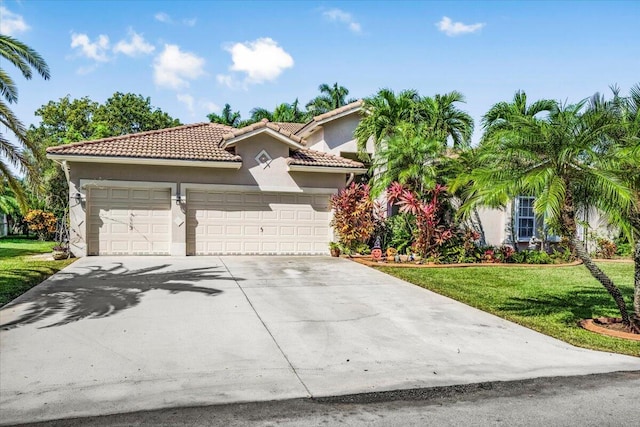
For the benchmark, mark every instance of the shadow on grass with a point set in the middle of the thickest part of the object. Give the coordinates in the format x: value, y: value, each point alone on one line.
x: 102, y: 292
x: 580, y: 304
x: 6, y: 253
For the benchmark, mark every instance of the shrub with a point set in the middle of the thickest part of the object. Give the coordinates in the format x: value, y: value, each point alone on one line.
x: 41, y: 222
x: 605, y: 248
x: 400, y: 231
x: 624, y: 248
x: 353, y: 217
x: 431, y: 232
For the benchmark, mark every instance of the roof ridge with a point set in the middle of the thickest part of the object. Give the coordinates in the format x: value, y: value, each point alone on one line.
x: 331, y: 113
x: 131, y: 135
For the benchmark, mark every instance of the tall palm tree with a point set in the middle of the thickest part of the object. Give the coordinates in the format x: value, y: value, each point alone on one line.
x: 330, y: 98
x: 26, y: 60
x: 409, y: 158
x: 285, y: 112
x: 501, y: 115
x: 383, y: 113
x: 559, y: 160
x: 226, y: 117
x: 444, y: 120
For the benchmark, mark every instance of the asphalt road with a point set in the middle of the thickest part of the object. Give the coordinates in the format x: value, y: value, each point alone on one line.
x: 592, y: 400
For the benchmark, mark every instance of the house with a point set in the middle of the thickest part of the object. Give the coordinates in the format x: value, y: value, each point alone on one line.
x: 209, y: 189
x: 518, y: 224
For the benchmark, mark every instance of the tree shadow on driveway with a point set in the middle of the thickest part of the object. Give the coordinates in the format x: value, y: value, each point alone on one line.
x: 102, y: 292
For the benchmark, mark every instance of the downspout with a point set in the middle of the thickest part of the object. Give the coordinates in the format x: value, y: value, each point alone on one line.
x: 350, y: 180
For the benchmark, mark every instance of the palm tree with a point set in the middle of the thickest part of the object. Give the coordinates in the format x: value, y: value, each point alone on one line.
x: 383, y: 113
x: 444, y: 120
x: 558, y: 159
x: 227, y: 117
x: 330, y: 98
x: 409, y: 158
x: 285, y: 112
x: 629, y: 109
x: 501, y: 115
x: 26, y: 60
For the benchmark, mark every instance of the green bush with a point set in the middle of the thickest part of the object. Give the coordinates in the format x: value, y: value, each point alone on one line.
x: 400, y: 228
x: 624, y: 247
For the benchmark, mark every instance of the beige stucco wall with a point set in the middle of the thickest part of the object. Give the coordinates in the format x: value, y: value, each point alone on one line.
x: 274, y: 177
x: 336, y: 136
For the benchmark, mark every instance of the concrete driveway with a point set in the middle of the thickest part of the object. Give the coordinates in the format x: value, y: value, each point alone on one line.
x: 118, y: 334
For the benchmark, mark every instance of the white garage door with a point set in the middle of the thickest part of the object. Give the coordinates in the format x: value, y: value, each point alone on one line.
x: 129, y: 221
x: 257, y: 223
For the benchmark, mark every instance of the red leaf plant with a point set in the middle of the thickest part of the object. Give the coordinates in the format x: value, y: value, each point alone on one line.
x: 430, y: 232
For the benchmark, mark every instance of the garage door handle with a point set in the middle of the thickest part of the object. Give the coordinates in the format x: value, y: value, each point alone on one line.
x: 261, y: 230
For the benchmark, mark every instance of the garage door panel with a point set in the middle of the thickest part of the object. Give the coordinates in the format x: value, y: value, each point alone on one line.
x: 129, y: 221
x: 257, y: 222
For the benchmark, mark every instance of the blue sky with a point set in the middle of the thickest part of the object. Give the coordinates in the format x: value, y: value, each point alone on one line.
x: 193, y: 57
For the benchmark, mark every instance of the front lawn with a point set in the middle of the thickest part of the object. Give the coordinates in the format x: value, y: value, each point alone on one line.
x: 548, y: 300
x: 20, y: 271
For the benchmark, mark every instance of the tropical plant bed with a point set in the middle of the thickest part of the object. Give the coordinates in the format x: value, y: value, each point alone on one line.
x: 366, y: 260
x: 548, y: 300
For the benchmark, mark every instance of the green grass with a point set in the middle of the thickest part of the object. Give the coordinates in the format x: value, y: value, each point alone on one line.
x: 548, y: 300
x: 19, y: 270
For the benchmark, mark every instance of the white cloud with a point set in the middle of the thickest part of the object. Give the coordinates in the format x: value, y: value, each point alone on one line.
x: 11, y: 23
x: 173, y: 68
x: 452, y: 29
x: 190, y: 22
x: 202, y: 104
x: 262, y: 60
x: 134, y: 47
x: 339, y: 15
x: 96, y: 50
x: 163, y: 17
x: 187, y: 100
x: 209, y: 106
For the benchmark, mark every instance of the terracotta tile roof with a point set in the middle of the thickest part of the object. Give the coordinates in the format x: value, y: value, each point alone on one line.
x: 322, y: 117
x: 200, y: 141
x: 337, y: 111
x: 290, y: 127
x: 306, y: 157
x: 264, y: 123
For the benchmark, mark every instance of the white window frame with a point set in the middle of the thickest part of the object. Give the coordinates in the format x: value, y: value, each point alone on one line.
x: 540, y: 230
x: 518, y: 217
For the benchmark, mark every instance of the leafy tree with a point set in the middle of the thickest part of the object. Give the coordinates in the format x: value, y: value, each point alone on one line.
x: 559, y: 159
x: 125, y: 113
x: 330, y: 98
x: 26, y: 60
x: 227, y: 117
x: 72, y: 120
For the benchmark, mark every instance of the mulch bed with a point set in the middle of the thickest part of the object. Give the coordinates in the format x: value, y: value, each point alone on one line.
x: 366, y: 260
x: 609, y: 326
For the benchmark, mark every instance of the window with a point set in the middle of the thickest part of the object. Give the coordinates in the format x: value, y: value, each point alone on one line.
x: 525, y: 218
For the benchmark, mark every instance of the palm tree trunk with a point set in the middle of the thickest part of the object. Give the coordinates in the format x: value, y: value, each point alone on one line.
x: 636, y: 285
x: 478, y: 221
x: 568, y: 221
x: 604, y: 280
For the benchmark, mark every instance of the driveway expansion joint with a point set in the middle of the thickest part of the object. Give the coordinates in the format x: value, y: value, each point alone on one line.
x: 293, y: 369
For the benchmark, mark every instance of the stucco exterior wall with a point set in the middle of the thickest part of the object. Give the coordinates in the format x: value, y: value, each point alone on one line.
x: 336, y: 136
x: 273, y: 176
